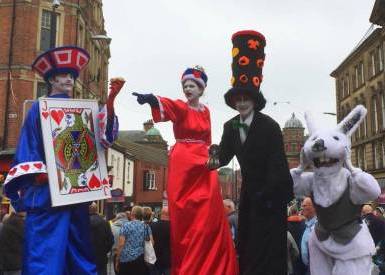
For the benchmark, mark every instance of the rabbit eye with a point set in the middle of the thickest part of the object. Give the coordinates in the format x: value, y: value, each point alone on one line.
x: 314, y: 138
x: 336, y: 138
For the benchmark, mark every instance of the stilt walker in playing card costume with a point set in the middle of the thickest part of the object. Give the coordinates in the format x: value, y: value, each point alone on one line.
x: 200, y: 234
x: 56, y: 238
x: 340, y: 243
x: 256, y: 140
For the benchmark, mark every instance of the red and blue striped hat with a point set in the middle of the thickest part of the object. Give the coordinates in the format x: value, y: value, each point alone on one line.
x: 197, y: 74
x: 66, y: 59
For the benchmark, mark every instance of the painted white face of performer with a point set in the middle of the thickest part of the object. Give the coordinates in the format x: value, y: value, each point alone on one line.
x: 192, y: 92
x: 62, y: 84
x: 244, y: 104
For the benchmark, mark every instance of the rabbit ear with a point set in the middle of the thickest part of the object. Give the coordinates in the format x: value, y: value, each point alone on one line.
x: 310, y: 123
x: 351, y: 122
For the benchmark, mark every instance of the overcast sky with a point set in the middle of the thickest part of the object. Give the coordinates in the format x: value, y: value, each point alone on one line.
x: 154, y: 41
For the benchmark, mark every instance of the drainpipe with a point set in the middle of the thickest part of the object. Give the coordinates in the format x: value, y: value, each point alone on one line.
x: 8, y: 91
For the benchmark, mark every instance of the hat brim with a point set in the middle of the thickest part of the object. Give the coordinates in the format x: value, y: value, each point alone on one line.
x: 257, y: 97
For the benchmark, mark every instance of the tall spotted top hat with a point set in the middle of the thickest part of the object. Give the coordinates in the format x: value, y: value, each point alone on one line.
x: 248, y: 59
x: 66, y: 59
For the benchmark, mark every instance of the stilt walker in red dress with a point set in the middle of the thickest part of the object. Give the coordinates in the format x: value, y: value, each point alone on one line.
x: 201, y: 242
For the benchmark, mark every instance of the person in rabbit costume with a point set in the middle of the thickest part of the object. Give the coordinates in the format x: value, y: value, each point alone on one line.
x: 340, y: 242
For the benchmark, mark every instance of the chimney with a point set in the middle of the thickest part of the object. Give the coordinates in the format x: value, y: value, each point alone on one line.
x: 148, y: 125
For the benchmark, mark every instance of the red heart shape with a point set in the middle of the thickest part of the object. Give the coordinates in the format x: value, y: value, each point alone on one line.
x: 45, y: 114
x: 57, y: 116
x: 94, y: 182
x: 12, y: 171
x: 38, y: 165
x: 25, y: 167
x: 105, y: 182
x: 101, y: 115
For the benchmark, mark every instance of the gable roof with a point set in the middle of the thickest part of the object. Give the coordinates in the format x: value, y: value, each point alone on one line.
x: 143, y: 152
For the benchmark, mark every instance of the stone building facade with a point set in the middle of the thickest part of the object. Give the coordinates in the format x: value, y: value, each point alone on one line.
x: 360, y: 79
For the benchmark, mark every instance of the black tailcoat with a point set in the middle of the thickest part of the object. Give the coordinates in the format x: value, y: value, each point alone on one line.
x: 266, y: 188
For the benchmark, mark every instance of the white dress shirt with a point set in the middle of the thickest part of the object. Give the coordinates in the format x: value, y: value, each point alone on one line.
x: 247, y: 121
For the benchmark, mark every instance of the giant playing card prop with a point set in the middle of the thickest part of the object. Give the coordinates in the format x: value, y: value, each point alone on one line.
x: 75, y: 159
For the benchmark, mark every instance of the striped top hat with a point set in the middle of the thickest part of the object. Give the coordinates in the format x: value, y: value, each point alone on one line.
x: 248, y: 60
x: 66, y: 59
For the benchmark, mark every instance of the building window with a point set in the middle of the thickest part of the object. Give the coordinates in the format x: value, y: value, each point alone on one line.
x: 375, y: 116
x: 383, y: 153
x: 347, y: 86
x: 355, y: 77
x: 293, y: 147
x: 380, y: 52
x: 47, y: 38
x: 42, y: 89
x: 377, y: 155
x: 383, y: 110
x: 361, y: 73
x: 149, y: 180
x: 372, y: 67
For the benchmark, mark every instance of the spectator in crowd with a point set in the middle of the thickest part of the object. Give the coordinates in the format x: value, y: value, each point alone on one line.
x: 379, y: 212
x: 375, y: 224
x: 11, y: 244
x: 130, y: 252
x: 161, y: 234
x: 116, y: 226
x: 232, y: 216
x: 147, y: 219
x: 292, y: 254
x: 101, y: 239
x: 296, y: 226
x: 308, y: 211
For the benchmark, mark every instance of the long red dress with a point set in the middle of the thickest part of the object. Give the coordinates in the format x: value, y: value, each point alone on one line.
x: 201, y: 242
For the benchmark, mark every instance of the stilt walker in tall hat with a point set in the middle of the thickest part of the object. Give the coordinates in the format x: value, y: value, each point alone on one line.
x: 56, y: 238
x: 256, y: 140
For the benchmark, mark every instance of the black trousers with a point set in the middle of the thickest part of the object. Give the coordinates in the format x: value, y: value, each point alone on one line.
x: 135, y: 267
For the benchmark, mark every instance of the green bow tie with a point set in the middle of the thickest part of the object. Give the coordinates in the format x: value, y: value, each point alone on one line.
x: 238, y: 125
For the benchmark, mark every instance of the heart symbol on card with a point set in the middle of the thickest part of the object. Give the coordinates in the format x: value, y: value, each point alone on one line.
x: 105, y: 181
x: 101, y: 115
x: 12, y: 171
x: 38, y: 165
x: 45, y: 114
x: 57, y: 116
x: 94, y: 182
x: 25, y: 167
x: 101, y: 125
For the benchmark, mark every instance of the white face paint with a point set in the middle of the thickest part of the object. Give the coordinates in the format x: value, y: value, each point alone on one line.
x: 192, y: 91
x: 244, y: 105
x: 62, y: 83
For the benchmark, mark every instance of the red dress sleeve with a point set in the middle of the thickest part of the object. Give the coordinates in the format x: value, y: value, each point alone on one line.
x: 168, y: 109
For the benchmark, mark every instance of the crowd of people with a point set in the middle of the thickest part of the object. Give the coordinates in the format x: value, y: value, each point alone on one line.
x: 301, y: 220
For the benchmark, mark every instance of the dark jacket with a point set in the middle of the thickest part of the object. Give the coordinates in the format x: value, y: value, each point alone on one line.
x: 11, y: 243
x: 266, y: 188
x: 161, y: 234
x: 101, y: 239
x: 376, y: 227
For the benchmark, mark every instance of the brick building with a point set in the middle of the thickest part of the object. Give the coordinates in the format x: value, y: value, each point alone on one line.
x: 29, y: 27
x: 360, y: 79
x: 293, y: 139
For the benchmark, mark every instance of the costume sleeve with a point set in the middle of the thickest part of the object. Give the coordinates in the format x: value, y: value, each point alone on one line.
x: 363, y: 188
x: 108, y: 127
x: 280, y: 183
x: 168, y: 109
x: 29, y: 157
x: 226, y: 147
